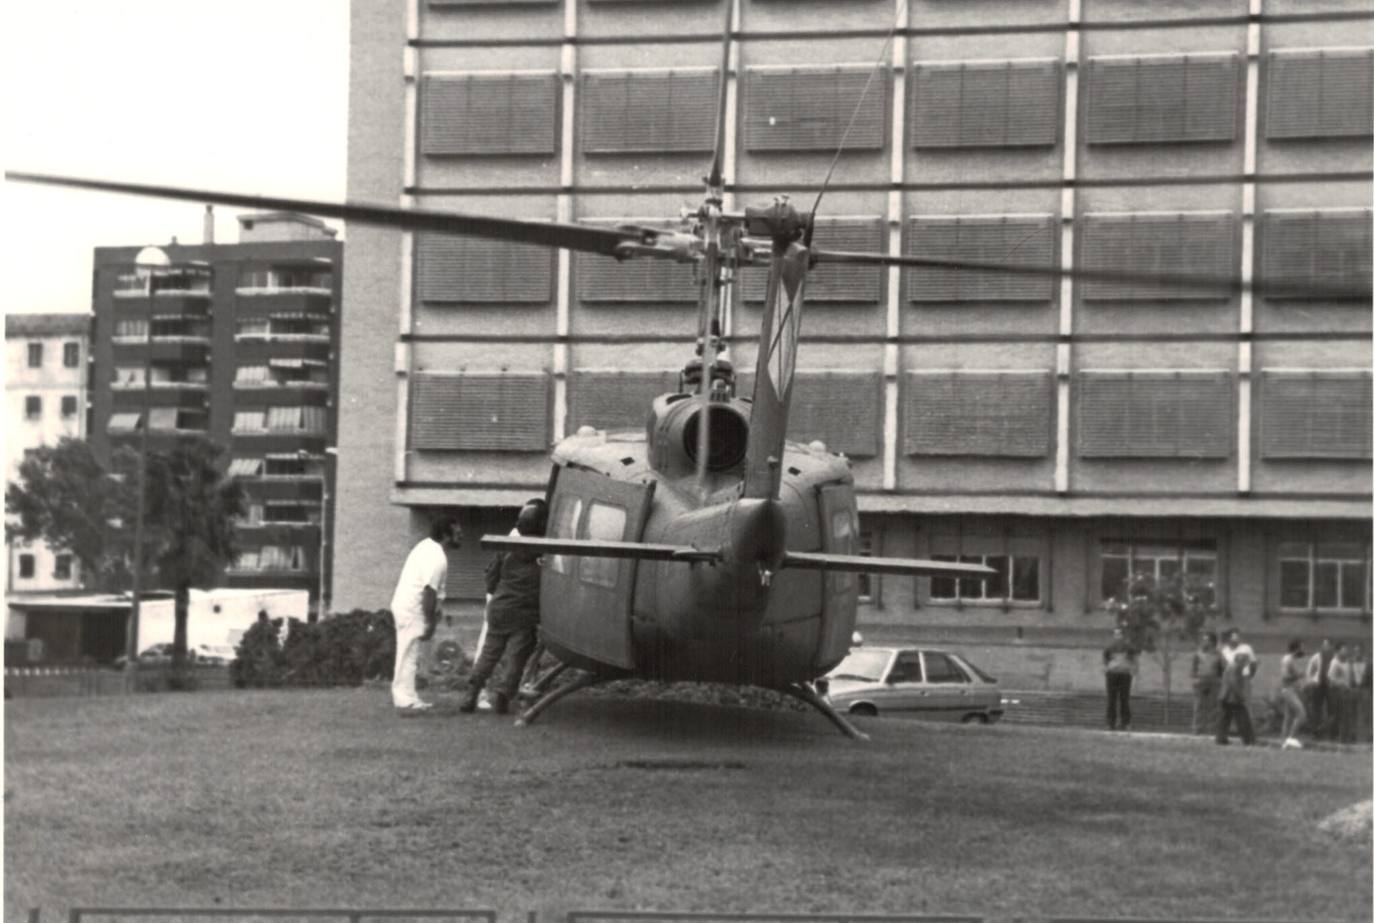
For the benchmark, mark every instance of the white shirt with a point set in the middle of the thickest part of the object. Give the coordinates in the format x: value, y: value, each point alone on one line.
x: 1228, y: 654
x: 427, y: 566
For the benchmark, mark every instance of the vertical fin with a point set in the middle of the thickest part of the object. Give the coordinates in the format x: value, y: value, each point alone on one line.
x: 775, y: 369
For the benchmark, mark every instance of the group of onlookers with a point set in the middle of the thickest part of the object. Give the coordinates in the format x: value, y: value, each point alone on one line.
x: 1327, y: 694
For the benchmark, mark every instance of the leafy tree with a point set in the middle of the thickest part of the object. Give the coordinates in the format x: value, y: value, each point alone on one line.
x: 64, y: 496
x: 1164, y: 617
x: 189, y: 525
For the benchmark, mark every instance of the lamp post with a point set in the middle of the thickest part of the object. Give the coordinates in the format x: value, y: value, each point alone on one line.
x: 321, y: 599
x: 323, y: 607
x: 146, y: 264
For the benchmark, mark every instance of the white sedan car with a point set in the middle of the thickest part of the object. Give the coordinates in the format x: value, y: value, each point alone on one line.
x: 918, y: 681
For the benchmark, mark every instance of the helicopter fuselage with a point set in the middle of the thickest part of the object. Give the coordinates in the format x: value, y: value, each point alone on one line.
x: 733, y: 620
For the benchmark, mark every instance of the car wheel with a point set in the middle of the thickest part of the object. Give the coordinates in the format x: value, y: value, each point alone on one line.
x: 979, y: 718
x: 868, y: 711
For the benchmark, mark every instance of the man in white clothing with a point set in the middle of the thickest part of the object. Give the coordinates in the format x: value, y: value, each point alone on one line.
x: 415, y: 607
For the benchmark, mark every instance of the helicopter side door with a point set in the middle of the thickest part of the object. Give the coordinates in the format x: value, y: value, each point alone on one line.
x: 585, y: 602
x: 839, y: 535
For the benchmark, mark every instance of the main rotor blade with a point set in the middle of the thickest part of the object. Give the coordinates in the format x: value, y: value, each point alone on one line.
x: 807, y: 560
x: 1213, y: 284
x: 718, y: 148
x: 606, y: 241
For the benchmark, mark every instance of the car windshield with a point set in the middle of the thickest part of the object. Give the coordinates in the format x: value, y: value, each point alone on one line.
x: 867, y: 665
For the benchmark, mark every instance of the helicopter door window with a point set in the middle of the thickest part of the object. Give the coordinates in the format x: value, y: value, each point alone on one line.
x: 565, y: 517
x: 606, y: 523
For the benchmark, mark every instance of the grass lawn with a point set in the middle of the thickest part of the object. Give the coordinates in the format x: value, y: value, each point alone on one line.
x: 326, y: 799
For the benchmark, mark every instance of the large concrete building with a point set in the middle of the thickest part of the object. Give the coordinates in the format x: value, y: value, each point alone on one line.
x: 45, y: 402
x: 1068, y: 433
x: 239, y: 342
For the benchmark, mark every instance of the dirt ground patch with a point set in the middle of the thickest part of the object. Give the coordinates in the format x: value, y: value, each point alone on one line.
x: 326, y: 799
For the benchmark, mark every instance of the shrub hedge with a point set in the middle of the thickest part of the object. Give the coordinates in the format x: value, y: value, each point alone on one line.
x: 342, y: 650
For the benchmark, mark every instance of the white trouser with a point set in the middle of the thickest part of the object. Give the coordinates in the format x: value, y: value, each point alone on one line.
x: 408, y: 645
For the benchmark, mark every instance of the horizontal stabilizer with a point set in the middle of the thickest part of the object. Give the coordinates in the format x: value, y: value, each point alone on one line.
x: 807, y: 560
x: 596, y: 548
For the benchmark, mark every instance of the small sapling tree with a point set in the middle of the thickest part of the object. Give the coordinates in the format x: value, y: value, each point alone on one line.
x: 1164, y: 617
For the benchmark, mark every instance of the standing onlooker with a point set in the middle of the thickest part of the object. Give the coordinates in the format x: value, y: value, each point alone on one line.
x: 1207, y: 667
x: 1292, y: 674
x: 512, y: 617
x: 415, y: 607
x: 1235, y: 700
x: 542, y: 506
x: 1319, y: 687
x: 1364, y: 686
x: 1342, y: 696
x: 1119, y: 662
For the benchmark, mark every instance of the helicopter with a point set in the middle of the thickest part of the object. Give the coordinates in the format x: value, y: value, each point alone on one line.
x: 707, y: 547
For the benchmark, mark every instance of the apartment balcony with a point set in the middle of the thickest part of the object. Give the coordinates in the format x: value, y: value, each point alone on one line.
x: 263, y: 348
x: 130, y: 398
x: 164, y: 305
x: 200, y: 388
x: 286, y: 489
x: 189, y: 350
x: 269, y: 302
x: 260, y: 442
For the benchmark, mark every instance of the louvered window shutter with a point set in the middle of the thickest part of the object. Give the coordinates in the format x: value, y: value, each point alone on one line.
x: 443, y: 3
x: 833, y: 283
x: 1154, y: 414
x: 1315, y: 415
x: 472, y: 270
x: 480, y: 411
x: 810, y: 108
x: 603, y: 279
x: 985, y: 104
x: 1191, y: 243
x: 1327, y: 248
x: 1162, y: 99
x: 1320, y: 94
x: 840, y: 407
x: 650, y: 111
x: 476, y: 114
x: 615, y: 400
x: 995, y: 414
x: 1021, y: 239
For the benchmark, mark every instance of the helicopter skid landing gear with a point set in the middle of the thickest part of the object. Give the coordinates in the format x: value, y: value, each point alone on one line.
x: 581, y: 682
x: 808, y: 694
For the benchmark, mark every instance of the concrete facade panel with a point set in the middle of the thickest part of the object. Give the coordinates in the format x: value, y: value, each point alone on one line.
x: 467, y: 23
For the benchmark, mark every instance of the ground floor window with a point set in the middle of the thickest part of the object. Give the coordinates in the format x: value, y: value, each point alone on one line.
x: 1316, y: 576
x: 1017, y: 580
x: 1159, y: 561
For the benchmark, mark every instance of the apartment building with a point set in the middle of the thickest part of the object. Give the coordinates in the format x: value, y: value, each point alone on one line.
x: 45, y: 402
x: 237, y: 342
x: 1068, y: 433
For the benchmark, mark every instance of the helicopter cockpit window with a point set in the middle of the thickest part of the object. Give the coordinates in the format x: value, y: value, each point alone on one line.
x: 564, y: 525
x: 607, y: 523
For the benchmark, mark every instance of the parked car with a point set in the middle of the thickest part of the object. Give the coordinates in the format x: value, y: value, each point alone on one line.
x: 214, y: 655
x: 918, y: 681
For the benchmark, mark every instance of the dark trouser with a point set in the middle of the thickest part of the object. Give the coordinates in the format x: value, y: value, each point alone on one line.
x: 1319, y: 717
x: 1118, y: 699
x: 1343, y: 708
x: 1240, y: 714
x: 1205, y: 706
x: 519, y: 644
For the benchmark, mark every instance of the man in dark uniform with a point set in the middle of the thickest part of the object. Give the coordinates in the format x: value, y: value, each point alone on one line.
x: 512, y: 617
